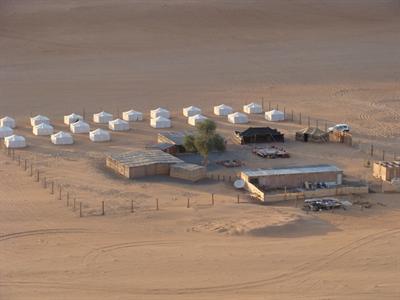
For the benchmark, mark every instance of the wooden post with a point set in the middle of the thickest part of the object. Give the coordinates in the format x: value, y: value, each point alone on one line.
x: 13, y: 154
x: 80, y: 209
x: 188, y: 203
x: 383, y: 154
x: 132, y: 206
x: 212, y: 199
x: 102, y: 208
x: 67, y: 199
x: 372, y: 150
x: 37, y: 175
x: 238, y: 198
x: 59, y: 192
x: 19, y: 160
x: 31, y: 174
x: 157, y: 208
x: 25, y: 165
x: 52, y: 188
x: 300, y: 118
x: 45, y: 183
x: 292, y: 115
x: 262, y: 103
x: 74, y: 204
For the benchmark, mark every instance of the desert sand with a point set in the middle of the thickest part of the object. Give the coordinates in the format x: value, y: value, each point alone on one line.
x: 331, y: 60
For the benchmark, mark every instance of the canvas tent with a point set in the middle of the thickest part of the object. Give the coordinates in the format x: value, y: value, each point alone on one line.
x: 102, y: 117
x: 62, y: 138
x: 43, y: 129
x: 191, y: 111
x: 118, y: 125
x: 15, y: 141
x: 253, y: 108
x: 194, y: 120
x: 72, y: 118
x: 274, y: 115
x: 132, y: 115
x: 5, y: 131
x: 311, y: 134
x: 99, y: 135
x: 222, y: 110
x: 8, y: 121
x: 79, y: 127
x: 238, y: 118
x: 39, y: 119
x: 160, y: 112
x: 160, y: 122
x: 259, y: 135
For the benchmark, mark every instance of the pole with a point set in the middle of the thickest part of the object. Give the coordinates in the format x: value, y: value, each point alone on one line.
x: 31, y: 171
x: 188, y: 203
x: 372, y: 150
x: 132, y: 206
x: 157, y: 204
x: 52, y: 188
x: 74, y: 204
x: 80, y: 209
x: 45, y: 183
x: 59, y: 192
x: 37, y: 175
x: 238, y: 198
x: 383, y: 154
x: 102, y: 208
x: 300, y: 118
x: 67, y: 199
x: 212, y: 199
x: 25, y: 165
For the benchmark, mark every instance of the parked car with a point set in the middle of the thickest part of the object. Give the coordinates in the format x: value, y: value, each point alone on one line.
x: 339, y: 128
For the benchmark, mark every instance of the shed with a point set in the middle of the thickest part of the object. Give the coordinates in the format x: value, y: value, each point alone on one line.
x: 15, y: 141
x: 62, y: 138
x: 160, y: 122
x: 238, y: 118
x: 6, y: 131
x: 72, y: 118
x: 79, y: 127
x: 100, y: 135
x: 160, y: 112
x: 176, y: 138
x: 39, y: 119
x: 253, y: 108
x: 43, y: 129
x: 188, y: 171
x: 274, y: 115
x: 142, y: 163
x: 259, y: 135
x: 196, y: 119
x: 222, y: 110
x: 132, y: 115
x: 312, y: 134
x: 386, y: 170
x: 102, y: 117
x: 118, y: 125
x: 8, y: 121
x: 191, y: 111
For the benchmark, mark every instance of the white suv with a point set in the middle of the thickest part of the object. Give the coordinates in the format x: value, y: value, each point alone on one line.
x: 339, y: 128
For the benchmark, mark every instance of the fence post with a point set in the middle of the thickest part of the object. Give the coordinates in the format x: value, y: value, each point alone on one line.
x: 292, y: 115
x: 37, y: 175
x: 102, y: 208
x: 188, y: 203
x: 309, y: 121
x: 52, y: 188
x: 59, y: 192
x: 74, y: 205
x: 157, y: 204
x: 300, y: 118
x: 25, y: 165
x: 31, y: 174
x: 45, y: 183
x: 372, y: 150
x: 212, y: 199
x: 19, y: 160
x: 238, y: 198
x: 67, y: 199
x: 269, y: 105
x: 131, y: 206
x: 383, y: 154
x: 326, y: 126
x: 13, y: 154
x: 80, y: 209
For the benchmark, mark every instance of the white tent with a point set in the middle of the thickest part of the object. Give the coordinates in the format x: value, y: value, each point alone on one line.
x: 223, y: 110
x: 43, y: 129
x: 274, y: 115
x: 160, y: 122
x: 253, y: 108
x: 238, y: 118
x: 39, y: 119
x: 79, y: 127
x: 132, y: 115
x: 194, y: 120
x: 102, y: 117
x: 72, y: 118
x: 62, y: 138
x: 118, y: 125
x: 8, y: 121
x: 5, y: 131
x: 15, y: 141
x: 160, y: 112
x: 99, y: 135
x: 191, y: 111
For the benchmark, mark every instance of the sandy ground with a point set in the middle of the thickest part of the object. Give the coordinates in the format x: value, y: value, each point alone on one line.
x: 333, y: 60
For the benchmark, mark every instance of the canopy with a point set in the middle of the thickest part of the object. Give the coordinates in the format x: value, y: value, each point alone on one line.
x: 39, y: 119
x: 160, y: 112
x: 222, y: 110
x: 102, y: 117
x: 191, y: 111
x: 62, y: 138
x: 132, y: 115
x: 238, y: 118
x: 15, y: 141
x: 5, y: 131
x: 274, y: 115
x: 194, y: 120
x: 43, y: 129
x: 72, y: 118
x: 160, y: 122
x: 8, y: 121
x: 118, y: 125
x: 79, y: 127
x: 253, y: 108
x: 99, y: 135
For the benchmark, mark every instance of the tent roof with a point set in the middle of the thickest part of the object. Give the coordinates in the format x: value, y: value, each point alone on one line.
x: 198, y: 117
x: 312, y: 131
x: 7, y: 118
x: 61, y: 134
x: 118, y: 121
x: 79, y: 123
x: 238, y: 114
x: 40, y: 117
x: 160, y: 109
x: 133, y: 112
x: 103, y: 113
x: 143, y: 158
x: 223, y: 106
x: 161, y: 118
x: 74, y: 115
x: 192, y: 108
x: 252, y: 131
x: 15, y: 138
x: 99, y: 131
x: 274, y: 112
x: 44, y: 125
x: 252, y: 104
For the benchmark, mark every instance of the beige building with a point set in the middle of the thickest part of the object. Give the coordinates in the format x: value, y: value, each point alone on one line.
x: 386, y: 170
x: 188, y: 171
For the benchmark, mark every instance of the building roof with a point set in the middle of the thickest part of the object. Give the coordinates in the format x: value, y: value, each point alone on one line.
x: 292, y: 170
x: 187, y: 166
x: 252, y: 131
x: 176, y: 137
x: 143, y: 158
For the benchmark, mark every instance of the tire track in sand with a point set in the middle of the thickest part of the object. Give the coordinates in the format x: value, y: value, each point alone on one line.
x: 29, y: 233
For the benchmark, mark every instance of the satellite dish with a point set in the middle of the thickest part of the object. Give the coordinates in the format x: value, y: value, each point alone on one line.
x: 239, y: 184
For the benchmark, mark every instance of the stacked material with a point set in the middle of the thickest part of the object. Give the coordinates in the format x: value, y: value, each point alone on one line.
x: 253, y: 108
x: 43, y: 129
x: 102, y: 117
x: 160, y: 122
x: 274, y: 115
x: 196, y: 119
x: 188, y: 171
x: 160, y: 112
x: 191, y: 111
x: 72, y: 118
x: 238, y: 118
x: 62, y: 138
x: 132, y: 116
x: 8, y: 122
x: 223, y: 110
x: 99, y: 135
x: 79, y: 127
x: 15, y: 141
x: 39, y: 119
x: 118, y: 125
x: 5, y: 131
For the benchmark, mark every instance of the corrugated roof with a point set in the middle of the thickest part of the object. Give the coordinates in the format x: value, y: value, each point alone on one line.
x: 292, y: 170
x: 177, y: 137
x: 143, y: 158
x: 187, y: 166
